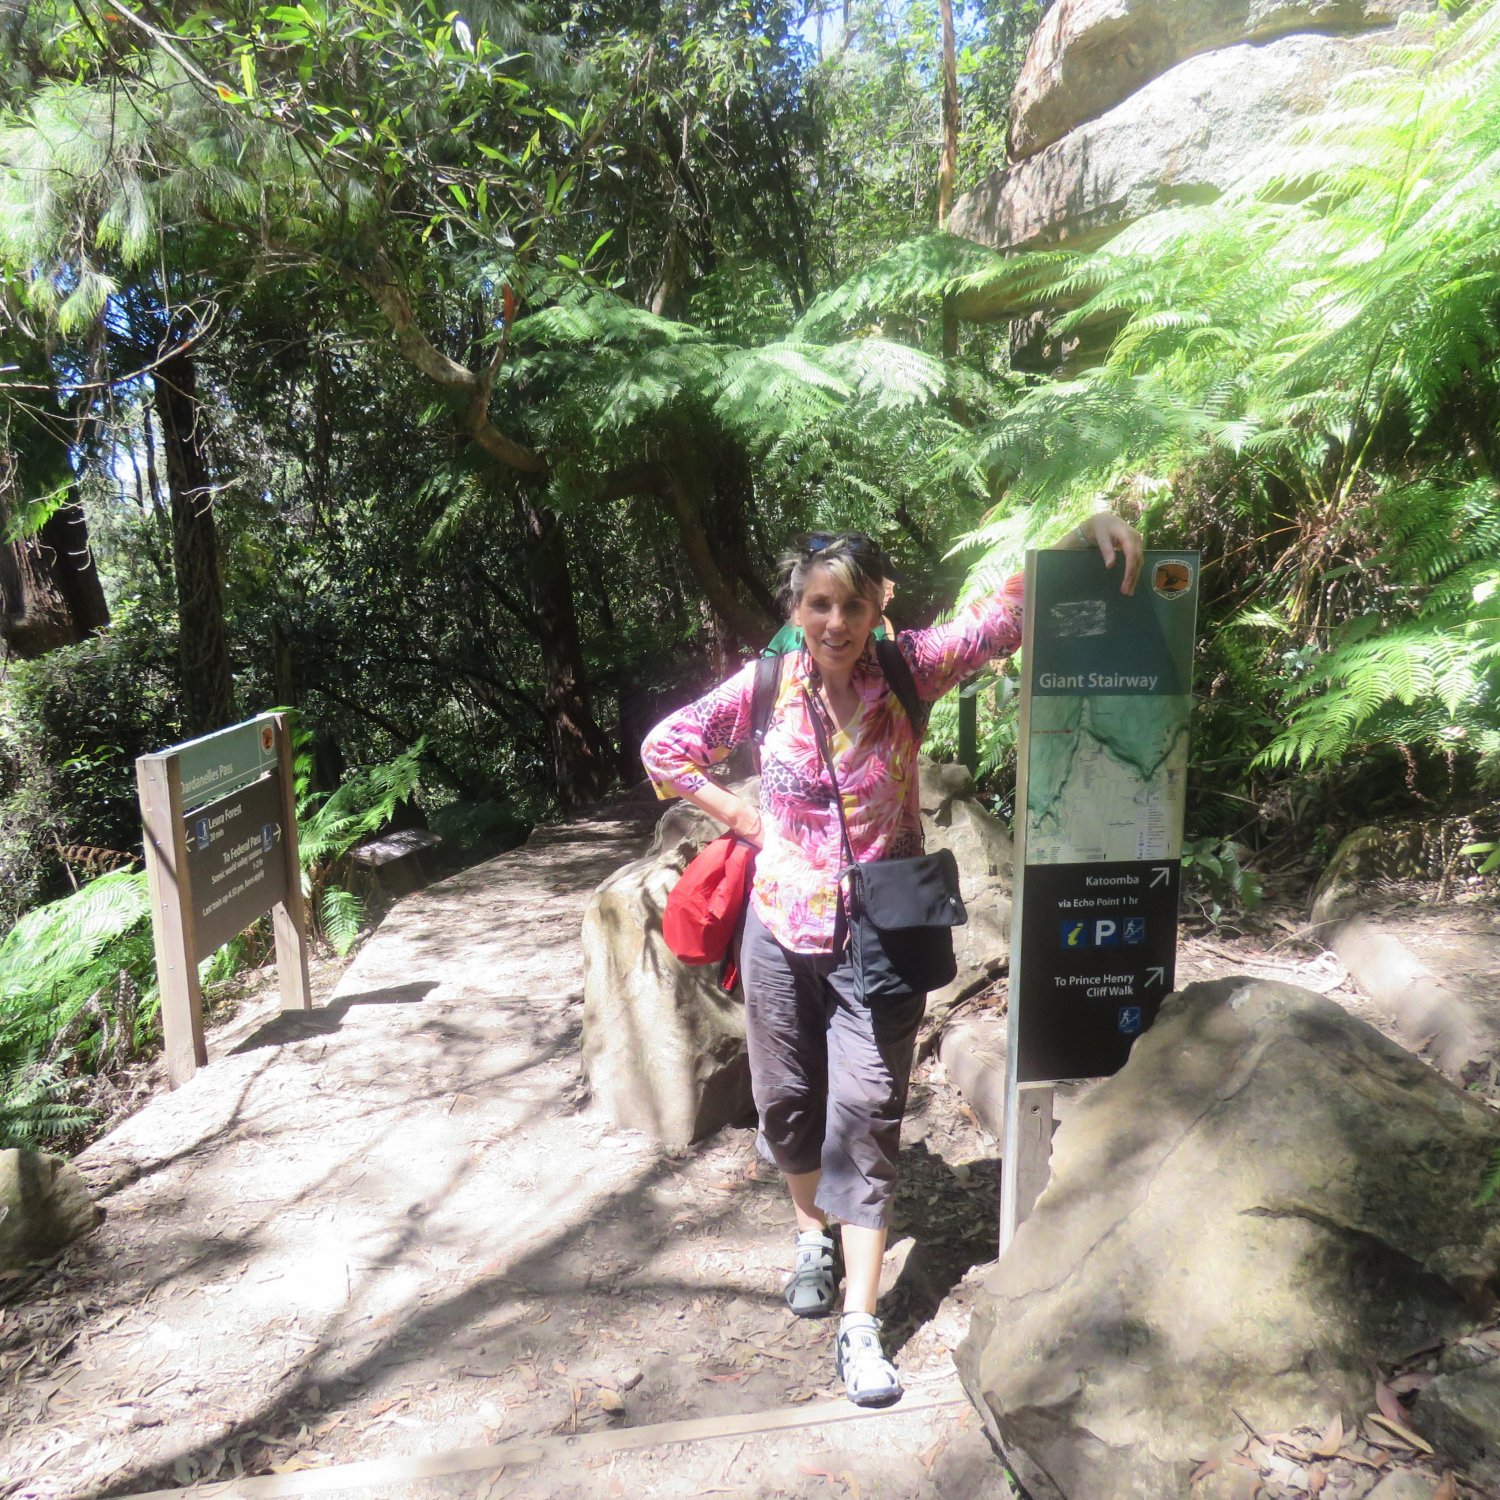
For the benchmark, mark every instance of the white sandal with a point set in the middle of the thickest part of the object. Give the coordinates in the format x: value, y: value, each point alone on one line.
x: 870, y: 1379
x: 811, y: 1287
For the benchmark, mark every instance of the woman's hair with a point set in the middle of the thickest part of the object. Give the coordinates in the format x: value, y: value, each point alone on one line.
x: 855, y: 562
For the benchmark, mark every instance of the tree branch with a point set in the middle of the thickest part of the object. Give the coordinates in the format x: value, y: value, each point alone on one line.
x: 442, y: 370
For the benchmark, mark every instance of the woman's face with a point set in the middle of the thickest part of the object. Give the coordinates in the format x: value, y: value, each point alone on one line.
x: 835, y: 622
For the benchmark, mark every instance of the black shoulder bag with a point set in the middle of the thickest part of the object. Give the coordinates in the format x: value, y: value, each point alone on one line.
x: 902, y: 912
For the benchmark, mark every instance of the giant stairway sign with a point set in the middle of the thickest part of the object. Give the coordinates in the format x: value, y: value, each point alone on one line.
x: 1101, y: 778
x: 220, y: 824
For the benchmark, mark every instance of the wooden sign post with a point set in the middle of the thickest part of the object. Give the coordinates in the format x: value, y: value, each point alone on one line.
x: 220, y: 821
x: 1101, y: 780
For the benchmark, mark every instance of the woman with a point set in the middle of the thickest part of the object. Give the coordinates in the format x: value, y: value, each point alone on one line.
x: 829, y: 1073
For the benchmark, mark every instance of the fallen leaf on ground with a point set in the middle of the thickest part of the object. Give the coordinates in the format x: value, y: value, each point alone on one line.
x: 1207, y: 1467
x: 1447, y: 1488
x: 1389, y: 1403
x: 1332, y: 1439
x: 814, y: 1472
x: 1401, y: 1431
x: 851, y: 1483
x: 611, y: 1400
x: 1317, y: 1479
x: 1413, y: 1380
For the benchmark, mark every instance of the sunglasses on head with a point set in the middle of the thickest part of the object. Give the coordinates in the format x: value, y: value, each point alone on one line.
x: 856, y: 543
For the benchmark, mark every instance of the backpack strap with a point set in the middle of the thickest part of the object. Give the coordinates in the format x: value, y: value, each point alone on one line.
x: 763, y: 700
x: 900, y: 681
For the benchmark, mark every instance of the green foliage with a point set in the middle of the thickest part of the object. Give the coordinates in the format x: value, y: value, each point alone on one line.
x: 908, y: 281
x: 1490, y: 1185
x: 77, y: 989
x: 1216, y: 878
x: 1425, y: 670
x: 330, y: 825
x: 71, y: 726
x: 33, y: 1104
x: 341, y: 914
x: 1301, y: 375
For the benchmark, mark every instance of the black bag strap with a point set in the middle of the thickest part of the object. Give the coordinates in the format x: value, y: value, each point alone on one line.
x: 820, y: 734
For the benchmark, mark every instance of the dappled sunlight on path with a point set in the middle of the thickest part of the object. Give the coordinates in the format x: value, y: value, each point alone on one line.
x: 393, y: 1225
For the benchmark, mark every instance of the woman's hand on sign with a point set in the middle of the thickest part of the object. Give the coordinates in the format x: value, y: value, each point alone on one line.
x: 1113, y: 536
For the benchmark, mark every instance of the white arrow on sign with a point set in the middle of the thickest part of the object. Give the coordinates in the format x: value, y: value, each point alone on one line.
x: 1160, y: 874
x: 1155, y: 976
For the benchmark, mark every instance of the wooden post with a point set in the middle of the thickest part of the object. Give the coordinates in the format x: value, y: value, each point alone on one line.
x: 1027, y: 1148
x: 968, y: 731
x: 160, y: 784
x: 1026, y: 1165
x: 289, y: 917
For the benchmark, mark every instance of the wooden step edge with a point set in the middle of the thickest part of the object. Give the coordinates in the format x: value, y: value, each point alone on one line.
x: 380, y: 1473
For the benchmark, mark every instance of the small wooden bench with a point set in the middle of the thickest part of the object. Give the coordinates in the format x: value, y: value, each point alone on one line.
x: 394, y: 860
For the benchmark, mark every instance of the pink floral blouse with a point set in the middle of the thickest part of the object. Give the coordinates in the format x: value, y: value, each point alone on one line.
x: 796, y: 876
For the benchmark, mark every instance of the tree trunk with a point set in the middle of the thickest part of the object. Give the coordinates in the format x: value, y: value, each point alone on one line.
x: 202, y: 646
x: 582, y: 760
x: 728, y: 522
x: 949, y: 165
x: 50, y: 593
x: 687, y: 491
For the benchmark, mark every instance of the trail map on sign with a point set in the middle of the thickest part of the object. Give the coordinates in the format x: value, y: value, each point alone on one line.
x: 1106, y: 778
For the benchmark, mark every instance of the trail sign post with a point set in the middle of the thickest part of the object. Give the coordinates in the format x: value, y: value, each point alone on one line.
x: 1101, y: 781
x: 219, y: 815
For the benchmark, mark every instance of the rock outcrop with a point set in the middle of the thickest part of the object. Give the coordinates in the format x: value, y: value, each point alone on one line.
x: 44, y: 1206
x: 664, y: 1046
x: 953, y: 819
x: 1182, y: 138
x: 1460, y: 1411
x: 1088, y: 55
x: 1268, y: 1199
x: 1124, y: 107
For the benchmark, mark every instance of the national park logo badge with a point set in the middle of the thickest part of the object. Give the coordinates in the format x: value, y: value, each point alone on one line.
x: 267, y: 738
x: 1172, y: 579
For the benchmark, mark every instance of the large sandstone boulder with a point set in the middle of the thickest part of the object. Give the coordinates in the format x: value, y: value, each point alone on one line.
x: 1088, y: 55
x: 44, y: 1207
x: 663, y: 1045
x: 1183, y: 138
x: 1268, y: 1199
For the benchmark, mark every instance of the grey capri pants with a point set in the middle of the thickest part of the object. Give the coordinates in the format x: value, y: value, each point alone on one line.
x: 830, y: 1076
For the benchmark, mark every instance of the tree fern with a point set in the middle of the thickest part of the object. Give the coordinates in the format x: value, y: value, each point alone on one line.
x: 34, y: 1107
x: 1307, y: 350
x: 341, y: 914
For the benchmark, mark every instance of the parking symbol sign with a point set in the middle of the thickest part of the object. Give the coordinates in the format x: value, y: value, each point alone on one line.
x: 1106, y: 932
x: 1130, y: 1019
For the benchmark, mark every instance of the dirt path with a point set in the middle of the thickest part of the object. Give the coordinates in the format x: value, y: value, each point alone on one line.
x: 393, y: 1226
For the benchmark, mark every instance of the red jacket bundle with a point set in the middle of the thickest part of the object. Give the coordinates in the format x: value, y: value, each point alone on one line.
x: 707, y: 906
